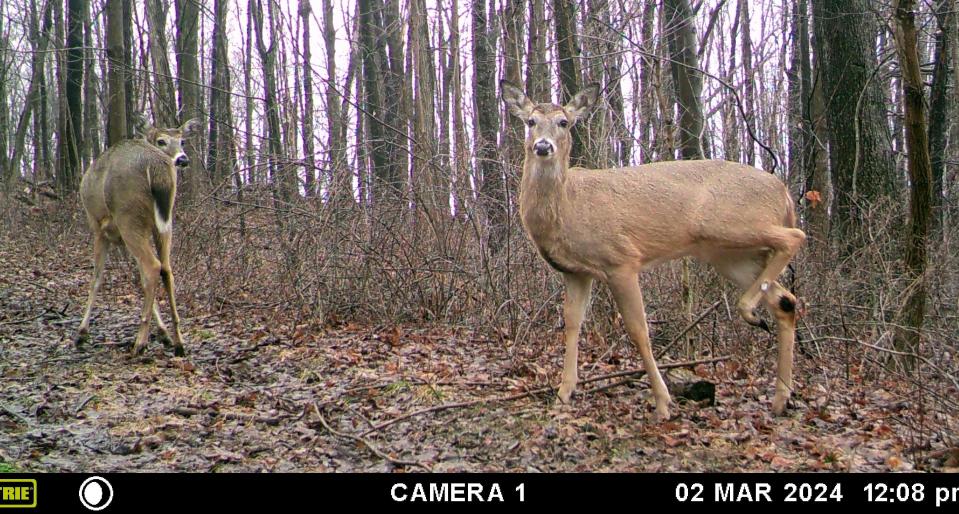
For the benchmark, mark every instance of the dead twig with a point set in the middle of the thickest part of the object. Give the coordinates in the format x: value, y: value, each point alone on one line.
x: 5, y: 408
x: 26, y: 320
x: 518, y: 396
x: 379, y: 453
x: 689, y: 327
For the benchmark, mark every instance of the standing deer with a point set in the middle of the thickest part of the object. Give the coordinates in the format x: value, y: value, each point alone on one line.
x: 610, y: 224
x: 128, y: 194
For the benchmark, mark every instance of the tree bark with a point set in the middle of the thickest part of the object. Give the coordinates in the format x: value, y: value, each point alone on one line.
x: 568, y: 53
x: 188, y: 84
x: 495, y: 197
x: 939, y: 106
x: 859, y: 140
x: 687, y: 79
x: 284, y: 182
x: 164, y: 97
x: 909, y: 329
x: 222, y: 149
x: 310, y: 184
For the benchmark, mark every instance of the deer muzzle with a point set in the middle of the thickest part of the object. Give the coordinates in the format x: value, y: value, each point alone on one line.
x: 543, y: 148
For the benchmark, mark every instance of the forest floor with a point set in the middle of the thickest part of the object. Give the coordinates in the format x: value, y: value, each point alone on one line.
x: 249, y: 397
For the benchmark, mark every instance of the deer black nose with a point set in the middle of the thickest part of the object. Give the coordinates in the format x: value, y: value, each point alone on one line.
x: 543, y: 148
x: 182, y: 161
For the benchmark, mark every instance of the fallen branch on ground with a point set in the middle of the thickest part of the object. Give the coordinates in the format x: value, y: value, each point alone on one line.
x: 532, y: 392
x: 379, y: 453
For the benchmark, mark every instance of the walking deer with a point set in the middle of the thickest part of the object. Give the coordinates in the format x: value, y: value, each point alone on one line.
x: 128, y: 193
x: 610, y: 224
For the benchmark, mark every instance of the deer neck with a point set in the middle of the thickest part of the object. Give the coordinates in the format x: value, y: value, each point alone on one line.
x: 543, y: 199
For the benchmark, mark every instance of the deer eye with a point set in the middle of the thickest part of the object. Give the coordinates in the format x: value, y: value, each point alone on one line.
x: 564, y: 123
x: 182, y: 142
x: 161, y: 142
x: 531, y: 122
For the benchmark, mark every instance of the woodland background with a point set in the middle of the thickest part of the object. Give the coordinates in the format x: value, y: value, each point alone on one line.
x: 356, y: 179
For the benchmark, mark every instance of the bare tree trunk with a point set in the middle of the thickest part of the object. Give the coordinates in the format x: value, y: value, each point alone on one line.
x: 427, y: 183
x: 687, y: 79
x: 91, y: 105
x: 222, y: 150
x: 749, y: 100
x: 537, y: 64
x: 4, y: 102
x: 283, y: 180
x: 164, y: 97
x: 568, y: 53
x: 340, y: 188
x: 494, y: 195
x: 39, y: 34
x: 909, y: 329
x: 309, y: 185
x: 647, y: 78
x: 71, y: 109
x: 188, y: 83
x: 117, y: 100
x: 859, y: 141
x: 939, y: 106
x: 461, y: 186
x: 514, y: 19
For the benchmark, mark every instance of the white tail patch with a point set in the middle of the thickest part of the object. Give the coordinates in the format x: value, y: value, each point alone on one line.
x: 163, y: 226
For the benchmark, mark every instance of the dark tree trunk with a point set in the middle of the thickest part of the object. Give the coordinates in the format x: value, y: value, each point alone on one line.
x: 859, y: 140
x: 687, y: 79
x: 310, y: 185
x: 945, y: 46
x: 495, y: 197
x: 68, y: 178
x: 222, y: 151
x: 568, y: 54
x: 188, y: 84
x: 909, y: 328
x: 164, y: 98
x: 116, y: 79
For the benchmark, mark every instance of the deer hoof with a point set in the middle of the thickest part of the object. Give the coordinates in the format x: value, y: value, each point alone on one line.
x: 179, y: 351
x: 661, y: 415
x: 164, y: 339
x: 82, y: 338
x: 779, y: 404
x: 139, y: 347
x: 564, y: 394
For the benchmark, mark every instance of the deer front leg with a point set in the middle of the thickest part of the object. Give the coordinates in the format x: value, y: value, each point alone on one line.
x: 782, y: 304
x: 629, y: 299
x: 574, y: 310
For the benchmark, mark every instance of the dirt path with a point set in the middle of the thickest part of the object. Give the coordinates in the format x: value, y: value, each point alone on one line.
x: 247, y: 399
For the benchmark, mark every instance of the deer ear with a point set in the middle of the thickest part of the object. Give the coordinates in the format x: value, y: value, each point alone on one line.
x: 583, y: 102
x: 141, y: 125
x: 190, y: 128
x: 515, y: 99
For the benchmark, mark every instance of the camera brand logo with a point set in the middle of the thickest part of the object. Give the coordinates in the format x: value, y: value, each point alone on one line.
x: 18, y: 493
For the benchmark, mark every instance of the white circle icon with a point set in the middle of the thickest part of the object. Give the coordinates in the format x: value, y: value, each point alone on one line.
x: 96, y: 493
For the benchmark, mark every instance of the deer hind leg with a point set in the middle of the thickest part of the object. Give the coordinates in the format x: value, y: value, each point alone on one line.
x: 574, y: 310
x: 745, y: 269
x: 99, y: 258
x: 140, y: 246
x: 166, y: 274
x: 163, y: 335
x: 629, y: 298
